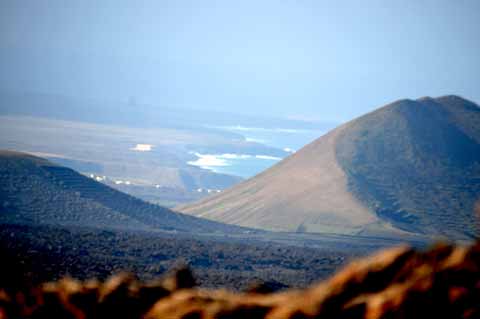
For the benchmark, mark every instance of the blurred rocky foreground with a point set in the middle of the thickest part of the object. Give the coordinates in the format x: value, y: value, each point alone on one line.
x: 443, y: 282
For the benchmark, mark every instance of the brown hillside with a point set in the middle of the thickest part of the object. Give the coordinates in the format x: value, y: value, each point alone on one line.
x: 305, y: 192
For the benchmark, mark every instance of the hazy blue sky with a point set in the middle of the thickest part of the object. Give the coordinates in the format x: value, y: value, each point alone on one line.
x: 326, y: 60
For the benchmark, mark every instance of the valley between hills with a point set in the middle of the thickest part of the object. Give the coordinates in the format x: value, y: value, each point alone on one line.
x: 56, y: 222
x: 405, y: 173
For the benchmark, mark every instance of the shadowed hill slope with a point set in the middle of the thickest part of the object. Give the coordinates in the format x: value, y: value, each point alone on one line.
x: 410, y: 166
x: 416, y: 164
x: 36, y: 191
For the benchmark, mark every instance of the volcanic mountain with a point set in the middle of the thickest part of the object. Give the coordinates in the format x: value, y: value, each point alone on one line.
x: 34, y: 191
x: 410, y: 166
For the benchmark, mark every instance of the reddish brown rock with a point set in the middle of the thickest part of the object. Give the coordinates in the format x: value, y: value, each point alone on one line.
x: 443, y: 282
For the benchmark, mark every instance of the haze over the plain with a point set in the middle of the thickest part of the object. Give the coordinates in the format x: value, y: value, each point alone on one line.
x: 308, y: 60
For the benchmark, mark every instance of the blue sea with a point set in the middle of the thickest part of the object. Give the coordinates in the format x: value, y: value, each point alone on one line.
x: 243, y: 165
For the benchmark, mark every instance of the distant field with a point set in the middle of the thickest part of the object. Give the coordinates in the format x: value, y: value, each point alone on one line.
x: 154, y: 161
x: 167, y: 155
